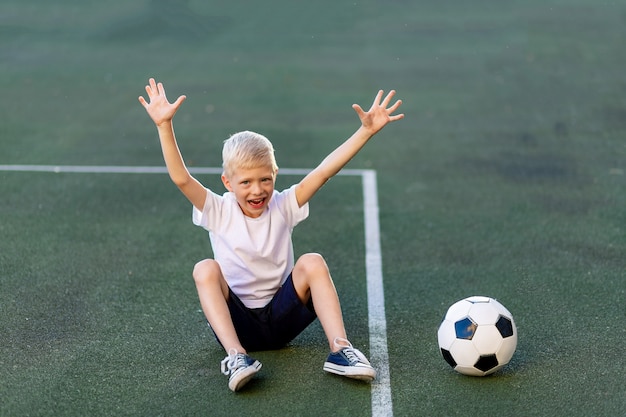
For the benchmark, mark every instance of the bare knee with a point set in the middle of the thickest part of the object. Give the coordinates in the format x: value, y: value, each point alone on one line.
x: 206, y: 272
x: 311, y: 265
x: 207, y: 275
x: 311, y: 276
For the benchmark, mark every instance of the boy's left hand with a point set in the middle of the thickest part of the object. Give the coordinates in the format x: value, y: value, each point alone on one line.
x: 380, y: 113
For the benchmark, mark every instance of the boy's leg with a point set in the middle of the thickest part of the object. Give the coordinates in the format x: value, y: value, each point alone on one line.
x: 213, y: 292
x: 311, y: 279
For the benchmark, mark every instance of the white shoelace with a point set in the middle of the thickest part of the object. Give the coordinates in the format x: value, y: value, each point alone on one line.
x: 353, y: 355
x: 233, y: 361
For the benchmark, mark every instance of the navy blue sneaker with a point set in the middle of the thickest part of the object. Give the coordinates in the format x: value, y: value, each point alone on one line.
x: 240, y: 367
x: 348, y: 361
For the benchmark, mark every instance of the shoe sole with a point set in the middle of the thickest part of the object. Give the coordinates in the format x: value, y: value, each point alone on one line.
x: 243, y: 377
x: 354, y: 372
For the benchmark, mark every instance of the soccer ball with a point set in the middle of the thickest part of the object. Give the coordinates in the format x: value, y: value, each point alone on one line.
x: 477, y: 336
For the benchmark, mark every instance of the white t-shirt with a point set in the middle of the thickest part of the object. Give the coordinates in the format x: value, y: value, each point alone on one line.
x: 255, y: 254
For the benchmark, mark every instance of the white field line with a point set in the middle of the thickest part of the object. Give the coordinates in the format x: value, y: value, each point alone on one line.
x: 381, y: 387
x: 379, y: 357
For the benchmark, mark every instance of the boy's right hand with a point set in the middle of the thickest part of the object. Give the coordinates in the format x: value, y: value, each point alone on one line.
x: 159, y: 109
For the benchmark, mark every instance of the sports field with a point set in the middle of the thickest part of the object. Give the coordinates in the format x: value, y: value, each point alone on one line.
x: 506, y: 179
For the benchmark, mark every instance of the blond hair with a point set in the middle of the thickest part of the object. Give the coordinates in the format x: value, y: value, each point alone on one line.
x: 247, y: 150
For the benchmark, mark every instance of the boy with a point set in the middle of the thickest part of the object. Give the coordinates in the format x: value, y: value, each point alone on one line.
x: 253, y: 294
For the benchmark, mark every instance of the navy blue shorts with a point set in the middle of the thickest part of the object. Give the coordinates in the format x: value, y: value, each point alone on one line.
x: 276, y: 324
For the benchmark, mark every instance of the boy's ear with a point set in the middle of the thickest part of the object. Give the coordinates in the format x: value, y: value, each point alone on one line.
x: 226, y: 183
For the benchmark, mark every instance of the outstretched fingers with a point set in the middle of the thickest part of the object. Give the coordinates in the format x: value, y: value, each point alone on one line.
x: 160, y: 89
x: 385, y: 102
x: 154, y: 89
x: 377, y: 99
x: 150, y: 91
x: 359, y: 110
x: 393, y: 108
x: 156, y: 103
x: 151, y: 87
x: 179, y: 100
x: 388, y: 97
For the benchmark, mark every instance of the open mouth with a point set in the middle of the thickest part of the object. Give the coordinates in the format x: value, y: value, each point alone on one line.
x: 257, y: 203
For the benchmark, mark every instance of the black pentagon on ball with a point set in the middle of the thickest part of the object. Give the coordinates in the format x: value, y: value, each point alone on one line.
x: 465, y: 328
x: 486, y: 363
x: 448, y: 357
x: 504, y: 326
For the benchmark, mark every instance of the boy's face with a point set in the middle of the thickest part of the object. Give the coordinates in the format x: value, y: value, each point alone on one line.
x: 253, y: 188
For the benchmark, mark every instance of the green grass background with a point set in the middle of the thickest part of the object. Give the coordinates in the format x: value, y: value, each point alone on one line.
x: 506, y: 179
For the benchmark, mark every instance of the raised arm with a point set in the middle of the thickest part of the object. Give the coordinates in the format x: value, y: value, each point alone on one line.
x: 372, y: 121
x: 161, y: 111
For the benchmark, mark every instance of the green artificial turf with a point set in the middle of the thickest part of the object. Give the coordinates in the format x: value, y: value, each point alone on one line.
x: 505, y: 179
